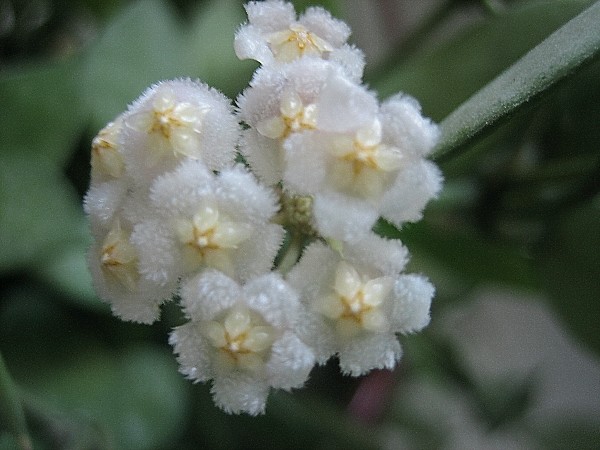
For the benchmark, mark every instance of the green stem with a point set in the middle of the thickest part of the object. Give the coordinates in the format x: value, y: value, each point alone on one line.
x: 567, y: 49
x: 12, y: 417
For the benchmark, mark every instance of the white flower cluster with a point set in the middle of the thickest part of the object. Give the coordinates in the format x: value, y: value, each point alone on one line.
x: 173, y: 213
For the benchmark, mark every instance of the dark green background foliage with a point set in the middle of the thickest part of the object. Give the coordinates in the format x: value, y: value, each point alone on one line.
x: 520, y: 211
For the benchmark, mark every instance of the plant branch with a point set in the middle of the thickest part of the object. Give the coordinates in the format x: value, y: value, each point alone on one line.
x: 555, y: 58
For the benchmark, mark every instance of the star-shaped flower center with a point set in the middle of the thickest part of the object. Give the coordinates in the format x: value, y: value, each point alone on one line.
x: 362, y: 164
x: 208, y: 237
x: 295, y: 42
x: 118, y: 257
x: 242, y: 338
x: 294, y: 116
x: 173, y: 127
x: 356, y: 300
x: 106, y: 159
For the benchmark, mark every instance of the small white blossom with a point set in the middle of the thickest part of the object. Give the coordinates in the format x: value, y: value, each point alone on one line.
x: 178, y: 119
x: 113, y: 263
x: 109, y: 182
x: 242, y: 338
x: 279, y: 103
x: 361, y: 159
x: 362, y: 301
x: 273, y: 36
x: 198, y: 219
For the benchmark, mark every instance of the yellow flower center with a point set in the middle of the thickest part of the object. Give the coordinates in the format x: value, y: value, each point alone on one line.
x: 295, y: 42
x: 355, y: 301
x: 118, y: 257
x: 294, y: 116
x: 106, y: 159
x: 242, y: 338
x: 363, y: 165
x: 208, y: 238
x: 174, y: 127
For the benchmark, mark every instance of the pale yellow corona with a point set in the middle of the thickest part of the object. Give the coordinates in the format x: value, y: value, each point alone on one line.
x: 118, y: 257
x: 363, y: 164
x: 209, y: 237
x: 355, y: 301
x: 242, y: 339
x: 106, y: 159
x: 173, y: 127
x: 294, y: 116
x: 296, y: 42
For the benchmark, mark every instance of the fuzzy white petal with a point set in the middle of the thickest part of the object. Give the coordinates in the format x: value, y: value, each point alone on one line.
x: 207, y: 294
x: 192, y: 351
x: 411, y: 303
x: 103, y: 201
x: 344, y: 105
x: 341, y: 217
x: 406, y: 127
x: 325, y: 26
x: 413, y: 188
x: 290, y: 363
x: 371, y: 351
x: 240, y: 393
x: 276, y: 301
x: 255, y: 256
x: 239, y: 195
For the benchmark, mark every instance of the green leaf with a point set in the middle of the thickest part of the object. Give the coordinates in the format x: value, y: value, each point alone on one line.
x: 209, y: 44
x: 42, y: 113
x: 142, y: 45
x: 12, y: 417
x: 131, y: 395
x: 444, y: 76
x: 39, y: 212
x: 569, y: 267
x: 456, y: 260
x: 67, y: 270
x: 571, y: 46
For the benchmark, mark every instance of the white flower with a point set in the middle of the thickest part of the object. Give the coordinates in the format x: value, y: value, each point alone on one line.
x: 198, y: 219
x: 273, y: 36
x: 242, y: 338
x: 279, y: 102
x: 178, y: 119
x: 362, y: 159
x: 109, y: 182
x: 107, y: 161
x: 362, y: 301
x: 113, y: 263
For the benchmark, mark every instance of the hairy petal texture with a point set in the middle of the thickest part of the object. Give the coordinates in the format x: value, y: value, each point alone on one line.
x: 274, y: 36
x: 243, y: 338
x: 359, y: 300
x: 174, y: 120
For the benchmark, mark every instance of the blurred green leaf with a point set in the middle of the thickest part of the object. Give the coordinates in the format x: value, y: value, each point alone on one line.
x: 67, y: 270
x: 209, y: 47
x: 132, y: 393
x: 12, y: 418
x: 581, y: 433
x: 42, y: 113
x: 444, y: 77
x: 568, y: 266
x: 142, y: 45
x: 559, y: 55
x: 465, y: 256
x: 39, y: 212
